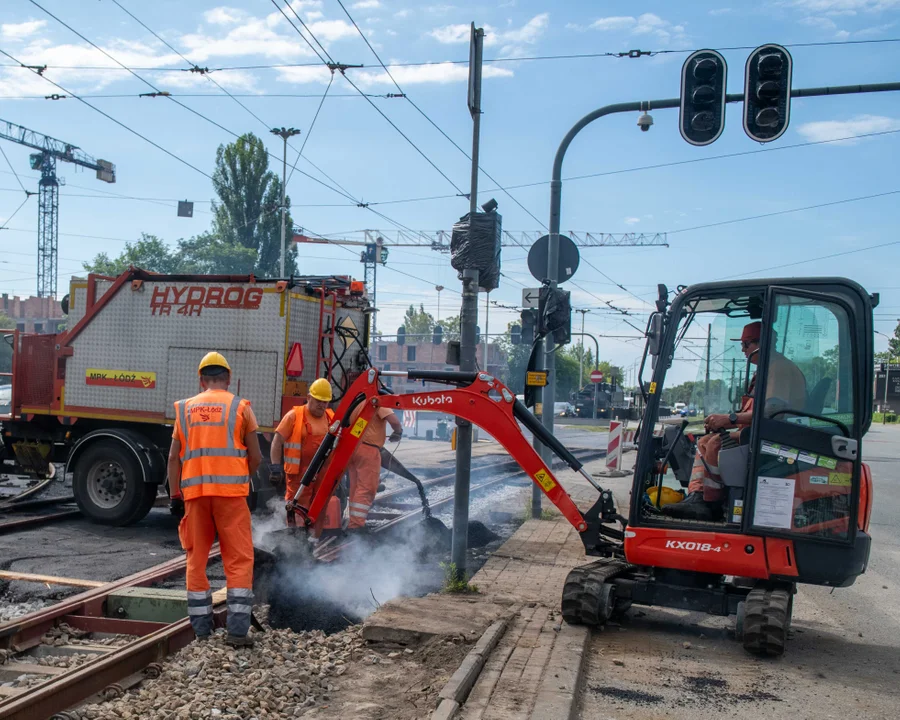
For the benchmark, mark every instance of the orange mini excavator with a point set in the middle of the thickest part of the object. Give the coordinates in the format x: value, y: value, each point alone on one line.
x: 796, y: 496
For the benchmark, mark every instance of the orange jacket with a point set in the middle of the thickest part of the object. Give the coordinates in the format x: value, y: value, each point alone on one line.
x: 210, y: 427
x: 298, y: 451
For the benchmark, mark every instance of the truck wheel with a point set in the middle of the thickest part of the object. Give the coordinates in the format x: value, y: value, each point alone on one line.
x: 109, y: 486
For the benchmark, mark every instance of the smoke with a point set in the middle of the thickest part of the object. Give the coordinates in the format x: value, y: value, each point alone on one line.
x: 305, y: 594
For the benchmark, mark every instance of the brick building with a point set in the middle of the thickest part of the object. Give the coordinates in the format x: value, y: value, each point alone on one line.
x: 33, y: 314
x: 428, y: 356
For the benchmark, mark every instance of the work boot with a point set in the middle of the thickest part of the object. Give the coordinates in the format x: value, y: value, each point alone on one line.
x: 238, y: 641
x: 694, y: 507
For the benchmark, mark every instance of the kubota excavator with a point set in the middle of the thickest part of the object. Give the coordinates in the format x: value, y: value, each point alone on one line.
x: 798, y: 498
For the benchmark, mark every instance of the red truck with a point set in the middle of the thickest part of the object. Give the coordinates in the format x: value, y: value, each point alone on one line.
x: 99, y: 396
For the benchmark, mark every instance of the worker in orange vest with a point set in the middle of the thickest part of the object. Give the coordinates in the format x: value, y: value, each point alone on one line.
x: 297, y: 437
x: 214, y: 452
x: 365, y: 463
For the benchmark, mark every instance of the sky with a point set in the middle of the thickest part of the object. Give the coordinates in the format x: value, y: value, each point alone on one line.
x: 401, y: 162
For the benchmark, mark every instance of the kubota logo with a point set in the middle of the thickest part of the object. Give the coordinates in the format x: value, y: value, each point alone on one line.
x: 690, y: 545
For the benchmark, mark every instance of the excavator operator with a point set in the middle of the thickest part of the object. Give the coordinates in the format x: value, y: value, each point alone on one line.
x: 786, y: 387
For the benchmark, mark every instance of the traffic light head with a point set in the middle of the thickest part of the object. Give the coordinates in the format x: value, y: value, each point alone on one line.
x: 529, y: 319
x: 437, y: 336
x: 703, y: 78
x: 515, y: 334
x: 767, y: 93
x: 401, y: 335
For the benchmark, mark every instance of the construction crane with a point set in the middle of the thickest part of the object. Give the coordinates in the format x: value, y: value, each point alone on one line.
x: 377, y: 242
x: 49, y: 151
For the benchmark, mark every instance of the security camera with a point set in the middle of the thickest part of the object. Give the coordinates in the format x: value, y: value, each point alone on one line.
x: 645, y: 121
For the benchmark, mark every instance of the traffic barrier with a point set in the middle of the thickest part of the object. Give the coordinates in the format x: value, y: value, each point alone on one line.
x: 619, y: 439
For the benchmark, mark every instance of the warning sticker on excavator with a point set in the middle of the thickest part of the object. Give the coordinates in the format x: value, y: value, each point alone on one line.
x: 845, y: 479
x: 544, y: 480
x: 359, y: 427
x: 653, y: 388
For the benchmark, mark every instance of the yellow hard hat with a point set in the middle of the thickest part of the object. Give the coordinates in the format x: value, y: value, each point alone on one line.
x: 213, y: 359
x: 321, y: 390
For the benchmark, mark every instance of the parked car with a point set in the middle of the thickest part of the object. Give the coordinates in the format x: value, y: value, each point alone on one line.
x: 563, y: 409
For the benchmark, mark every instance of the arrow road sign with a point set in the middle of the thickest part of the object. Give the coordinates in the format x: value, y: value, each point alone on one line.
x: 530, y: 298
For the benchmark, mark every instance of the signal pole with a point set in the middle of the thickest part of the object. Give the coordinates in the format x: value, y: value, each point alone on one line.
x: 284, y: 134
x: 468, y: 319
x: 583, y: 312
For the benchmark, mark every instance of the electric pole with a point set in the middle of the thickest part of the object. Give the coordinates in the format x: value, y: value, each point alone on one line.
x: 468, y: 319
x: 581, y: 358
x: 284, y: 134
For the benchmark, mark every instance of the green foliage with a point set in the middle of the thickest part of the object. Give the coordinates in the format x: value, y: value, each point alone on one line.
x: 454, y: 582
x: 248, y: 209
x: 418, y: 322
x: 546, y: 513
x: 149, y: 253
x: 894, y: 343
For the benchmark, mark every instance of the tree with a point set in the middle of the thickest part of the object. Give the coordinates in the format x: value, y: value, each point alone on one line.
x: 208, y: 253
x: 894, y: 343
x: 517, y: 359
x: 148, y: 253
x: 450, y: 326
x: 247, y: 212
x: 418, y: 322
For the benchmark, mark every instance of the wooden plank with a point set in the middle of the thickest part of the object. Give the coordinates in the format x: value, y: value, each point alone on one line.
x: 49, y: 579
x: 20, y: 668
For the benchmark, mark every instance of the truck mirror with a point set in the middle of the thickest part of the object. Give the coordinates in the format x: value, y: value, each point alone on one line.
x: 654, y: 334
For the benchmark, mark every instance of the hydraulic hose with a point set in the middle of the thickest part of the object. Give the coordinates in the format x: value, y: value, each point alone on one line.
x: 524, y: 416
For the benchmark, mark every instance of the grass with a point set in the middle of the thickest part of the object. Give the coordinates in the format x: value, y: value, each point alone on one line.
x: 546, y: 513
x: 589, y: 428
x: 878, y: 418
x: 454, y: 583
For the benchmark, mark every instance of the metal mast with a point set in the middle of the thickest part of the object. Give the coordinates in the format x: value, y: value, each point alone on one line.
x: 50, y: 150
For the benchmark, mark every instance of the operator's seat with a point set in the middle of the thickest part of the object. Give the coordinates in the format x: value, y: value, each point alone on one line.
x: 815, y: 401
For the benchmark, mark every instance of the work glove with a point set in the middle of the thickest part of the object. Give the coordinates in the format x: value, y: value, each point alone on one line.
x: 396, y: 435
x: 176, y: 506
x: 276, y: 472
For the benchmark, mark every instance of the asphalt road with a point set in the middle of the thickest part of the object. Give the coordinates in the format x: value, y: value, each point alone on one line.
x: 842, y: 660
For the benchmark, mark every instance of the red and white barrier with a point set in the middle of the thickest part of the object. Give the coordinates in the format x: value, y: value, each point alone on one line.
x: 409, y: 418
x: 619, y: 437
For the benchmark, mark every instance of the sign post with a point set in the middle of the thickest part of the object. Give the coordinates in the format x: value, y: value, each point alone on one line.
x: 596, y: 378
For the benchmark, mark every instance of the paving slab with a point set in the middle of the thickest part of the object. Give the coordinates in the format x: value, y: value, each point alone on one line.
x: 410, y: 621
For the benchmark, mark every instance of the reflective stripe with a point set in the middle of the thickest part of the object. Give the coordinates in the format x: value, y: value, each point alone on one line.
x: 293, y: 446
x: 204, y: 610
x: 360, y: 506
x: 214, y: 452
x: 232, y: 419
x: 358, y: 514
x: 199, y: 595
x: 292, y: 461
x: 238, y: 592
x: 216, y: 480
x: 182, y: 421
x: 239, y: 609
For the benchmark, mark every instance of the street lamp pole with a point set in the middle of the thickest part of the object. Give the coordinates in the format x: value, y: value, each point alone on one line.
x: 284, y: 134
x: 439, y: 288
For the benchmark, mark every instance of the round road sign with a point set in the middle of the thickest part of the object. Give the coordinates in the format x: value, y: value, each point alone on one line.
x: 596, y: 376
x: 568, y: 259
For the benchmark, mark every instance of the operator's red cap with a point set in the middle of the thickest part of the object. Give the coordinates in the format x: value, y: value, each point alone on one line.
x: 752, y: 331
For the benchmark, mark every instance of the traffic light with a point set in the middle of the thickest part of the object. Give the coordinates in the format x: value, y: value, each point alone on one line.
x: 515, y: 334
x: 437, y: 336
x: 702, y: 116
x: 767, y: 93
x: 529, y: 318
x: 555, y: 314
x: 401, y: 335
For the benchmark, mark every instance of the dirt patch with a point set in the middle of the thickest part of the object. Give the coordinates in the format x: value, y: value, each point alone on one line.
x: 636, y: 697
x: 394, y: 682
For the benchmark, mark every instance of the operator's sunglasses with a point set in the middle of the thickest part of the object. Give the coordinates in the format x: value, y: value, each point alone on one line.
x: 747, y: 343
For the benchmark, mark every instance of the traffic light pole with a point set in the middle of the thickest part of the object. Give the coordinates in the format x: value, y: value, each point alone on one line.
x: 549, y: 392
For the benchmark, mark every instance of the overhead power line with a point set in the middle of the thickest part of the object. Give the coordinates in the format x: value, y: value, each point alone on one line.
x: 614, y: 54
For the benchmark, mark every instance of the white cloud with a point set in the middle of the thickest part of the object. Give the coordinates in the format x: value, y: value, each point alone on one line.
x: 302, y: 75
x: 230, y: 79
x: 440, y: 73
x: 224, y: 16
x: 400, y: 14
x: 820, y: 23
x: 20, y: 31
x: 512, y: 42
x: 632, y: 220
x: 366, y: 5
x: 613, y: 23
x: 859, y: 125
x: 314, y: 15
x: 844, y: 7
x: 721, y: 11
x: 646, y: 24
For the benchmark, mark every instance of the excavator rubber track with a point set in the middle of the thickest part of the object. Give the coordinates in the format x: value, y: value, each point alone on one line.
x: 588, y: 598
x: 767, y: 617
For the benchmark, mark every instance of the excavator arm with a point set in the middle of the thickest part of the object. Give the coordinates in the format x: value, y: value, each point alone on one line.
x: 477, y: 397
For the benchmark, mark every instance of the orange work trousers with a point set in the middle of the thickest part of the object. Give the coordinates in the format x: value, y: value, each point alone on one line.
x: 330, y: 519
x: 705, y: 478
x: 204, y: 518
x: 365, y: 472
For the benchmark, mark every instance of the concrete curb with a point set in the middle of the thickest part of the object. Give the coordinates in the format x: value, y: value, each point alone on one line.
x: 559, y: 688
x: 460, y: 684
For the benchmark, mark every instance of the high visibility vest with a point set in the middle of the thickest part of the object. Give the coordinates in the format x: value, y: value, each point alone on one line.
x: 213, y: 454
x: 301, y: 446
